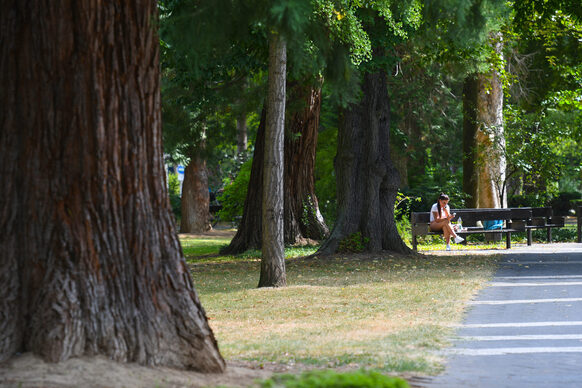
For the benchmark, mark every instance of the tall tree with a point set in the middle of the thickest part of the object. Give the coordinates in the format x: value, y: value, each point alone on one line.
x: 273, y: 246
x: 91, y: 263
x: 367, y: 181
x: 195, y: 196
x: 484, y: 161
x: 302, y: 219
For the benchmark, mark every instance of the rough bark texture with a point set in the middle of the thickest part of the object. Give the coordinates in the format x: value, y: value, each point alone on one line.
x: 249, y: 233
x: 470, y: 126
x: 195, y: 197
x: 367, y: 181
x: 90, y: 261
x: 484, y: 140
x: 302, y: 219
x: 273, y: 246
x: 302, y: 216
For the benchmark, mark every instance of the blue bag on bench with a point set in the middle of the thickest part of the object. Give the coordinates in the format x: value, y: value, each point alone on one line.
x: 491, y: 225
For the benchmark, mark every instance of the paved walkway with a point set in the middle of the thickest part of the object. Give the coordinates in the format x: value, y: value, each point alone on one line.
x: 525, y: 329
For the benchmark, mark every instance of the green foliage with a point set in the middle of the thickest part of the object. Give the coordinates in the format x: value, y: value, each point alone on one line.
x: 235, y: 192
x: 333, y: 379
x: 558, y: 235
x: 325, y: 187
x: 354, y: 243
x: 175, y: 199
x: 539, y: 199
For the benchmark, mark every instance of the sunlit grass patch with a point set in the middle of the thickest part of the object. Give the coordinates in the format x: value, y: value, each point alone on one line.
x: 387, y: 312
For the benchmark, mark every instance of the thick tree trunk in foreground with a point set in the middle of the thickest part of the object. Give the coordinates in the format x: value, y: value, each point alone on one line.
x: 90, y: 259
x: 195, y: 197
x: 367, y: 181
x: 302, y: 219
x: 273, y: 245
x: 484, y: 140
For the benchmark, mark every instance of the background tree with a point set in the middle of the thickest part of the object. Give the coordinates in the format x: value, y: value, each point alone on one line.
x: 91, y: 263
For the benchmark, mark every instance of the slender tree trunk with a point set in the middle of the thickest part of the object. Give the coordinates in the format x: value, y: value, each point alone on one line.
x: 302, y: 219
x: 195, y: 197
x: 367, y: 181
x: 484, y: 139
x: 91, y: 263
x: 273, y: 246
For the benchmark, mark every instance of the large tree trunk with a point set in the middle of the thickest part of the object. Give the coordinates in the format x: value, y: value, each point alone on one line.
x: 250, y: 230
x: 195, y: 197
x: 470, y: 127
x: 90, y: 261
x: 302, y: 219
x: 367, y: 181
x: 273, y: 246
x: 484, y: 139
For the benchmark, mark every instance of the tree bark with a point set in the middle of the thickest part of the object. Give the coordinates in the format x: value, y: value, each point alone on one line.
x: 484, y: 139
x: 470, y: 126
x: 249, y: 233
x: 195, y: 197
x: 91, y: 263
x: 273, y: 246
x: 367, y: 181
x: 302, y: 218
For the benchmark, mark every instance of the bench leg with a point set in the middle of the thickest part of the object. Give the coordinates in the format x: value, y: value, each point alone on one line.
x: 508, y: 240
x: 549, y: 234
x: 414, y: 243
x: 529, y: 237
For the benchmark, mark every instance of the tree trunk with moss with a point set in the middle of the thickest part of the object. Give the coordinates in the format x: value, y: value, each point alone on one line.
x: 91, y: 263
x: 484, y: 162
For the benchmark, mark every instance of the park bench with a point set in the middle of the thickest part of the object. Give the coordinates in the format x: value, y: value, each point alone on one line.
x: 543, y: 218
x: 515, y: 220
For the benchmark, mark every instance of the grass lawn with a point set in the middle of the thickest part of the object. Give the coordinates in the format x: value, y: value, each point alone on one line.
x: 386, y: 312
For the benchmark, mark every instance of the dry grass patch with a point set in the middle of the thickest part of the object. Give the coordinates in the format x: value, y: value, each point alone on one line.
x: 387, y: 312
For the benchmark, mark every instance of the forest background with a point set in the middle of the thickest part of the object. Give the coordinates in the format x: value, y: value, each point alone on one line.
x: 215, y: 80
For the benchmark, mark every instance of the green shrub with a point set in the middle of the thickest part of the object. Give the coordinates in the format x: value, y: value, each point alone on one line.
x: 325, y: 188
x: 353, y: 243
x: 332, y: 379
x: 233, y: 197
x: 175, y: 199
x: 558, y: 235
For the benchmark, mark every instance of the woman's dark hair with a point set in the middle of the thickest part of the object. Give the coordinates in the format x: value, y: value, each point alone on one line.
x: 442, y: 196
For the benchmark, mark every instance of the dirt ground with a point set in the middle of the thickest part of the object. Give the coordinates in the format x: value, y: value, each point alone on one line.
x: 27, y: 370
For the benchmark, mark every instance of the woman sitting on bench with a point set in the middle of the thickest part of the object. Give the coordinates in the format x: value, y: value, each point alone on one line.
x: 440, y: 220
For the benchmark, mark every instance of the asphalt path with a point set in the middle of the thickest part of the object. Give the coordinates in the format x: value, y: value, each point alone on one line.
x: 525, y: 328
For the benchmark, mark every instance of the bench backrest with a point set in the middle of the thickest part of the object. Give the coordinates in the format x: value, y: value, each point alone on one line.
x: 471, y: 216
x: 542, y: 212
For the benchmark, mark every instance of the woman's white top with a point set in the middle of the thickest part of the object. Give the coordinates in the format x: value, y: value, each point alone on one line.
x: 435, y: 209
